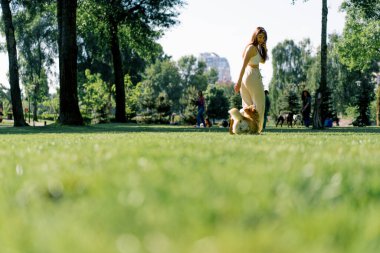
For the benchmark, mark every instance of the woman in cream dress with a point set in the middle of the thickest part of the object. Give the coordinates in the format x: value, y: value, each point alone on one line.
x: 250, y: 82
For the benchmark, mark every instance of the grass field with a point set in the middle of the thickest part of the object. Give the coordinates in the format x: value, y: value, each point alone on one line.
x: 162, y: 189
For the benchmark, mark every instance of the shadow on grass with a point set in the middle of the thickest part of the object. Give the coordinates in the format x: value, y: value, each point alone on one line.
x: 138, y: 128
x: 332, y: 130
x: 106, y: 128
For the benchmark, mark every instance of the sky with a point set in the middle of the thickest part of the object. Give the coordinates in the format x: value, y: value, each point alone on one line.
x: 225, y: 27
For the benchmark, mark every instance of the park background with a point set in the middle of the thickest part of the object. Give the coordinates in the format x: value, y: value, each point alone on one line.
x: 163, y: 71
x: 151, y: 187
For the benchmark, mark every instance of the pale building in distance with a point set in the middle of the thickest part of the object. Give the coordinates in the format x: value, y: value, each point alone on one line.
x: 221, y: 64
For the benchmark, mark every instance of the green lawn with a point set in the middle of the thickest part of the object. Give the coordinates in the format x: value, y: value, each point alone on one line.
x: 161, y: 189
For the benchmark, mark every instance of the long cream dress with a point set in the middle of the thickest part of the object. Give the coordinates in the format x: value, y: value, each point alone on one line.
x: 252, y: 88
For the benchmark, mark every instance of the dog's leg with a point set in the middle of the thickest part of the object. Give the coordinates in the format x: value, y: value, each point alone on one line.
x: 231, y: 124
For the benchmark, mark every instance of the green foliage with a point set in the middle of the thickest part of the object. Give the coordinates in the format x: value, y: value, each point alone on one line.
x: 188, y: 100
x: 193, y: 72
x: 217, y: 104
x: 6, y: 107
x: 179, y: 81
x: 212, y: 76
x: 235, y: 101
x: 294, y: 102
x: 289, y: 101
x: 328, y: 107
x: 139, y: 26
x: 125, y: 188
x: 360, y: 44
x: 163, y: 76
x: 351, y: 112
x: 50, y: 107
x: 36, y: 35
x: 132, y: 95
x: 143, y: 23
x: 35, y: 31
x: 372, y: 111
x: 364, y: 98
x: 163, y: 104
x: 147, y: 98
x: 370, y: 8
x: 291, y: 64
x: 96, y: 99
x: 341, y: 89
x: 5, y: 93
x: 138, y: 50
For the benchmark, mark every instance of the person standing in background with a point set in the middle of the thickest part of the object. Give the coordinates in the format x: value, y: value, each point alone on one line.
x: 201, y: 109
x: 306, y: 107
x: 267, y: 108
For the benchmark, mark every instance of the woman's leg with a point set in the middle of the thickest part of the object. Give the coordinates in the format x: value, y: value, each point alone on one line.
x: 256, y: 90
x: 246, y: 99
x: 200, y: 118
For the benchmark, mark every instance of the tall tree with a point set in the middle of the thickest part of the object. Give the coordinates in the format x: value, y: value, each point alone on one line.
x: 290, y: 63
x: 359, y: 48
x: 145, y: 21
x: 69, y: 113
x: 319, y: 114
x: 13, y: 65
x: 35, y: 24
x: 117, y: 61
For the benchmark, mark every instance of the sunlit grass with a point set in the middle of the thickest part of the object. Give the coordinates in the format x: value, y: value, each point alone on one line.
x: 128, y: 188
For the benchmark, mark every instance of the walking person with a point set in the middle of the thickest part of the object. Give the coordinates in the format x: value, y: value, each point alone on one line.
x: 201, y: 109
x: 250, y: 82
x: 306, y: 107
x: 267, y: 108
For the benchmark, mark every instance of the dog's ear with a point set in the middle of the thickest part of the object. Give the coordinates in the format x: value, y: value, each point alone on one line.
x: 250, y: 109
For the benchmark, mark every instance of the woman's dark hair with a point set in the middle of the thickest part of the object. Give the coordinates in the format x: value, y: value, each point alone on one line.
x: 307, y: 94
x: 263, y: 53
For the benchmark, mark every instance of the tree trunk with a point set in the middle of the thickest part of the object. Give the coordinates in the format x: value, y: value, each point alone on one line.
x: 318, y: 114
x: 35, y: 92
x: 69, y: 113
x: 317, y: 119
x: 378, y: 106
x: 17, y: 109
x: 118, y: 72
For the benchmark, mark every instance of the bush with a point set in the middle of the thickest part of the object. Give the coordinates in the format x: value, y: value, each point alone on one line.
x: 48, y: 116
x: 154, y: 118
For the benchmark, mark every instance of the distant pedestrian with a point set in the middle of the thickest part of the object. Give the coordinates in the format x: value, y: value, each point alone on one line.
x: 201, y: 109
x: 267, y: 108
x: 306, y: 107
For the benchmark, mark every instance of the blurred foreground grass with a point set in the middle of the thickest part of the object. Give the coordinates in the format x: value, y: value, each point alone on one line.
x: 162, y: 189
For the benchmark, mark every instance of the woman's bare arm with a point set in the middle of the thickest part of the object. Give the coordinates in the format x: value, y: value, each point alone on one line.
x: 251, y: 51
